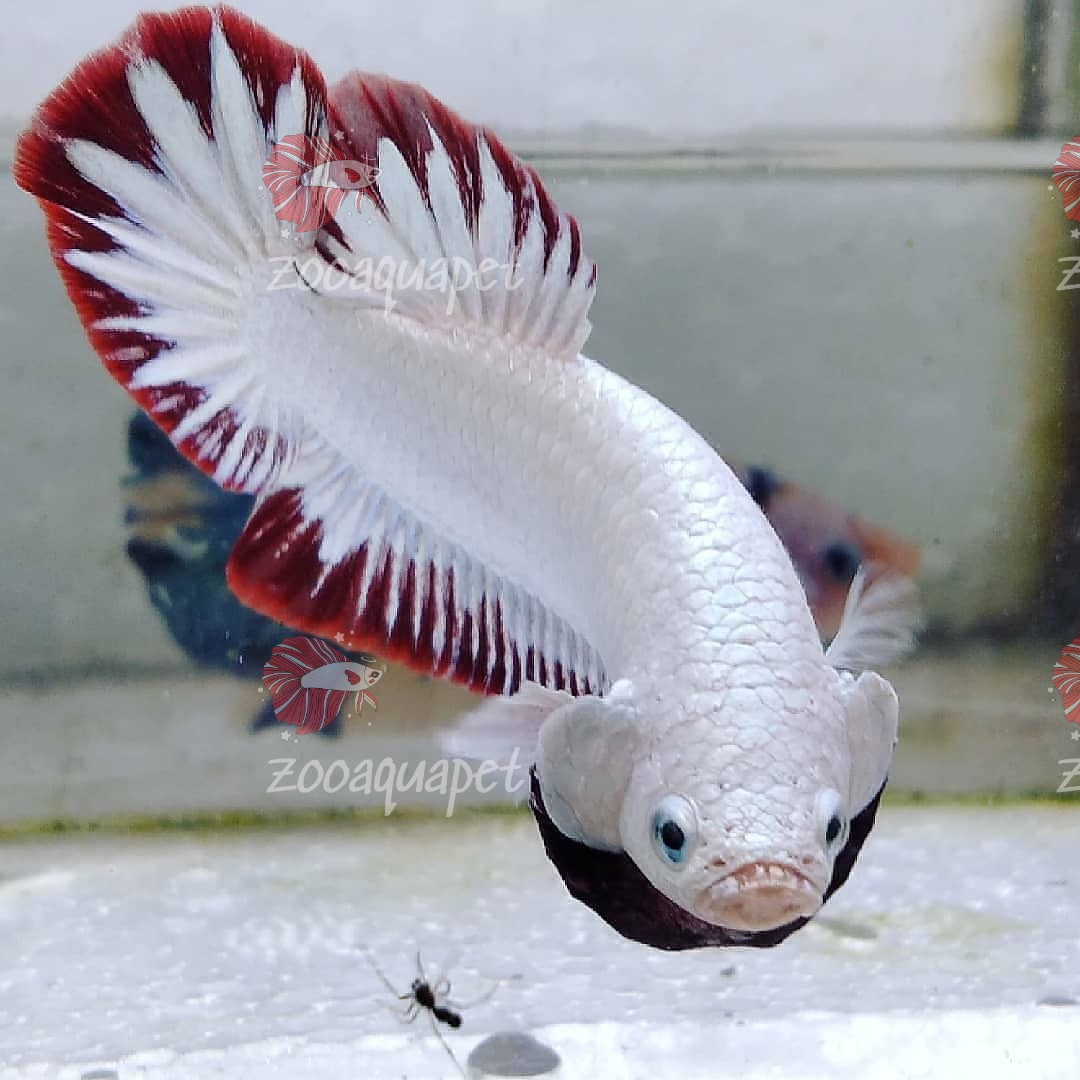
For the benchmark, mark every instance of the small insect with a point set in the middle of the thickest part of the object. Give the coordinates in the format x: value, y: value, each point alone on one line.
x: 433, y: 998
x: 424, y: 996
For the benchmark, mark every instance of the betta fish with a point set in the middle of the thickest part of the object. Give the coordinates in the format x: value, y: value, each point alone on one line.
x: 181, y: 528
x: 308, y: 681
x: 457, y: 486
x: 308, y: 180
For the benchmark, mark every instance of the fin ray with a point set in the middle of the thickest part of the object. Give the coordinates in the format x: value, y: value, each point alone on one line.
x: 148, y: 162
x: 402, y: 591
x: 880, y: 620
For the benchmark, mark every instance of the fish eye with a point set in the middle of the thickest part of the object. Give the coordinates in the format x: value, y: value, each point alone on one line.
x: 832, y: 820
x: 762, y: 485
x: 842, y: 561
x: 833, y: 829
x: 674, y: 829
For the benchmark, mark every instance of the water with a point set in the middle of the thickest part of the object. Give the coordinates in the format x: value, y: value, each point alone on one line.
x: 843, y: 314
x: 879, y: 323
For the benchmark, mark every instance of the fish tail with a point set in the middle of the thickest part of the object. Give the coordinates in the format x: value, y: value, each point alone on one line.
x: 171, y: 170
x: 148, y: 163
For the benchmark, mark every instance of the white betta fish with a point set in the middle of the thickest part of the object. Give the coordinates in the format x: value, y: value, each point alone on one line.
x: 454, y: 485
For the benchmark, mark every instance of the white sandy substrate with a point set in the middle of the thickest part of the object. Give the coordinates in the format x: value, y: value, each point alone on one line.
x: 953, y: 952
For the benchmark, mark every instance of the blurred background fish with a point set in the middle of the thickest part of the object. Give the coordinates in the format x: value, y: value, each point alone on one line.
x: 182, y: 527
x: 826, y: 543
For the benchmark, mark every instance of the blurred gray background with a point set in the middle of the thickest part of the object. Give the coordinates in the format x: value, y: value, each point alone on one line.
x: 824, y: 235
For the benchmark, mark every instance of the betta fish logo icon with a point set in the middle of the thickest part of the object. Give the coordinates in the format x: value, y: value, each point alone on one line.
x: 309, y: 179
x: 308, y: 680
x: 1066, y: 176
x: 1066, y: 680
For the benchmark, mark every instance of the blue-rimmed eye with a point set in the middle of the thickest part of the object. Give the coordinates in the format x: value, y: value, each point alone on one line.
x: 832, y: 820
x: 674, y: 829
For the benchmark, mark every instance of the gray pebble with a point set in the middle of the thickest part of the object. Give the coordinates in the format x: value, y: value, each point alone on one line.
x: 511, y: 1053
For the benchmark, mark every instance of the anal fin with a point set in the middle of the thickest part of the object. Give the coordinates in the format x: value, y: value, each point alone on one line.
x: 361, y: 565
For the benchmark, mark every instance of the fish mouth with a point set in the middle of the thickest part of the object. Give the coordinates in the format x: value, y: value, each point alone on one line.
x: 759, y: 896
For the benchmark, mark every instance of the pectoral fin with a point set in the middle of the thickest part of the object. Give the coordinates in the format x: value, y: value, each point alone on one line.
x: 584, y: 762
x: 880, y: 620
x: 872, y: 714
x: 504, y: 723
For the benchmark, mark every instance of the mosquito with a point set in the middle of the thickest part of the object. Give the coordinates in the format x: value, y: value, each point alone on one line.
x: 432, y: 998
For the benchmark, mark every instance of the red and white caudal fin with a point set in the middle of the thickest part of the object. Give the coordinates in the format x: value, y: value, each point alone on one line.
x: 149, y: 161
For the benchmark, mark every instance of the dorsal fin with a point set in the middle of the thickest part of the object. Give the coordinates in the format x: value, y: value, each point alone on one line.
x: 404, y: 592
x: 449, y: 190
